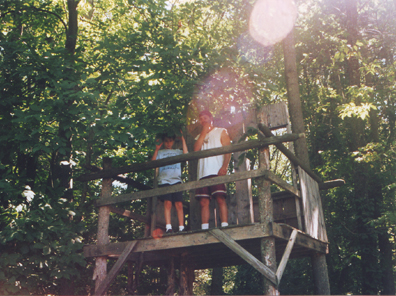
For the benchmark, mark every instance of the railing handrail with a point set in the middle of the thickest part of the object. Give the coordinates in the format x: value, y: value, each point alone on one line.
x: 138, y: 167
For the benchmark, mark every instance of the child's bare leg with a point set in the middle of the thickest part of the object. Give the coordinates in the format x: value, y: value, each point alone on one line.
x: 221, y: 201
x: 180, y: 213
x: 167, y: 211
x: 204, y: 202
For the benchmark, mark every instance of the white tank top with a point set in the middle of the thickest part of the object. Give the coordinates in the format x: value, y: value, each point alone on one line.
x: 211, y: 165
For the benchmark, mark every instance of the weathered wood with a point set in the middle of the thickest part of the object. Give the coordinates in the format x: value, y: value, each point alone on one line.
x: 101, y: 290
x: 286, y: 255
x: 188, y: 239
x: 185, y: 287
x: 284, y: 232
x: 265, y: 202
x: 290, y: 155
x: 138, y: 167
x: 128, y: 181
x: 100, y: 271
x: 154, y: 203
x: 198, y: 184
x: 312, y: 207
x: 243, y: 192
x: 276, y: 114
x: 331, y: 184
x: 170, y: 290
x: 181, y: 187
x: 283, y: 184
x: 249, y: 258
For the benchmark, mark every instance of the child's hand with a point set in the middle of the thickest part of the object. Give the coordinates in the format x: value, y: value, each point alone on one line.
x: 158, y: 146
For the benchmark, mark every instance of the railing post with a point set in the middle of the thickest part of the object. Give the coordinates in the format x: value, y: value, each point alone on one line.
x: 100, y: 271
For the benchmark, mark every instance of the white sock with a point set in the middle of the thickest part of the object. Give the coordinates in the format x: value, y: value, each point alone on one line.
x: 168, y: 226
x: 181, y: 228
x: 224, y: 224
x: 205, y: 226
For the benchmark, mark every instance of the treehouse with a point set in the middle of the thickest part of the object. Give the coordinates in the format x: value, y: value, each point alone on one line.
x: 264, y: 231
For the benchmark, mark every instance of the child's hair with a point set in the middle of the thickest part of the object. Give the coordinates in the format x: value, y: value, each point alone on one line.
x: 168, y: 135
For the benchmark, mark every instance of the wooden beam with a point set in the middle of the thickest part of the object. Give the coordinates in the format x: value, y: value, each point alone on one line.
x: 331, y: 184
x: 283, y: 184
x: 101, y: 290
x: 249, y: 258
x: 138, y: 167
x: 184, y: 240
x: 284, y: 232
x: 198, y: 184
x: 286, y: 255
x: 181, y: 187
x: 290, y: 155
x: 127, y: 181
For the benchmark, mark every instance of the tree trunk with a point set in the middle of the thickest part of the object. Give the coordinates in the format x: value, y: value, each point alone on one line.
x: 321, y: 277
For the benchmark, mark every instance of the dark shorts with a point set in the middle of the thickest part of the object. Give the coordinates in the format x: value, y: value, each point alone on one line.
x: 173, y: 197
x: 210, y: 191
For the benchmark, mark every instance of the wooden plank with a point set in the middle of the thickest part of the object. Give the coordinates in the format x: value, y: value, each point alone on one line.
x: 284, y: 231
x: 181, y: 187
x: 331, y: 184
x: 138, y: 167
x: 277, y: 114
x: 312, y: 207
x: 283, y: 184
x: 243, y: 193
x: 101, y: 290
x: 198, y: 184
x: 286, y: 255
x: 290, y: 155
x: 187, y: 239
x: 249, y: 258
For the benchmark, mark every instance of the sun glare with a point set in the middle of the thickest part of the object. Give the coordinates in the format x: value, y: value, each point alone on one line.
x: 272, y: 20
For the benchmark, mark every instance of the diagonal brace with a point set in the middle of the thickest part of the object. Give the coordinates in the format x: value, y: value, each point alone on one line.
x: 116, y: 269
x: 244, y: 254
x: 286, y: 255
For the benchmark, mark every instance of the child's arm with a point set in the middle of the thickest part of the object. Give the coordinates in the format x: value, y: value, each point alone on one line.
x: 157, y: 147
x: 185, y: 149
x: 198, y: 143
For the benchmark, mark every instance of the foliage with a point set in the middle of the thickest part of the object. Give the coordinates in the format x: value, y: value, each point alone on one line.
x: 144, y: 67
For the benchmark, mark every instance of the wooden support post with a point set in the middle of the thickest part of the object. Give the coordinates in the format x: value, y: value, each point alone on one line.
x: 268, y: 255
x: 153, y: 223
x: 245, y: 255
x: 100, y: 271
x: 244, y: 198
x: 130, y: 279
x: 138, y: 269
x: 286, y: 255
x: 171, y: 277
x: 186, y: 276
x: 104, y: 285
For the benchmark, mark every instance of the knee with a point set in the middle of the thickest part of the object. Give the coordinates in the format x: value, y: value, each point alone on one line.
x: 204, y: 202
x: 179, y: 205
x: 221, y: 200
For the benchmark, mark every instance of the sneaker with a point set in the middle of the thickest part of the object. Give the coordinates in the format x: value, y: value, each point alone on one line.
x: 169, y: 231
x: 183, y: 230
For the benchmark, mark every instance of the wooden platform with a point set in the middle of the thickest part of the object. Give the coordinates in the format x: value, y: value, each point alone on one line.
x: 205, y: 251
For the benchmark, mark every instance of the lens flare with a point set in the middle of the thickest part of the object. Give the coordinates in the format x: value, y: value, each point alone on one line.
x: 253, y: 52
x: 271, y: 20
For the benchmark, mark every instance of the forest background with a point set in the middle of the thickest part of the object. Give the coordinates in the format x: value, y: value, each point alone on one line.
x: 81, y: 80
